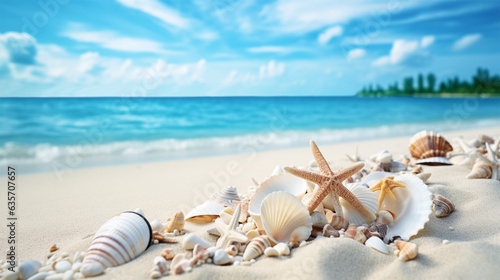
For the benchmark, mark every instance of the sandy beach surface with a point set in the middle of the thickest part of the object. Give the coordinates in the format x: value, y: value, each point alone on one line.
x: 67, y: 209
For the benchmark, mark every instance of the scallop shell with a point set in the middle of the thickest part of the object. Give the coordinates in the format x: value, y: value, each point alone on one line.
x: 367, y: 197
x: 442, y: 206
x: 205, y: 213
x: 257, y: 246
x: 430, y: 148
x: 285, y: 218
x: 226, y: 196
x: 411, y: 208
x: 281, y: 182
x: 118, y: 241
x: 407, y: 250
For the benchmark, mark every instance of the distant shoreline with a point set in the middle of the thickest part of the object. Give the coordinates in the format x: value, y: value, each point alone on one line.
x: 433, y: 95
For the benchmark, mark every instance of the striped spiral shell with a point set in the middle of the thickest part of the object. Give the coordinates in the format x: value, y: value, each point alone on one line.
x: 118, y: 241
x: 226, y: 196
x: 407, y: 250
x: 256, y: 247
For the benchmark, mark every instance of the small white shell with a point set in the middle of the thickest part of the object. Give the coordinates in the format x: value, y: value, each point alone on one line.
x: 367, y: 197
x: 191, y: 239
x: 28, y: 268
x: 226, y: 196
x: 285, y: 218
x: 377, y: 244
x: 412, y: 207
x: 118, y: 241
x: 281, y: 182
x: 205, y: 213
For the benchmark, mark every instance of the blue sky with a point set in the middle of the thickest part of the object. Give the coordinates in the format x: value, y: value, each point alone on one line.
x: 238, y: 47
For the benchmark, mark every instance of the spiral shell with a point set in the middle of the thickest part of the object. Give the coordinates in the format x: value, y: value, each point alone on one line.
x: 285, y: 218
x: 338, y: 222
x: 257, y: 246
x: 351, y: 231
x: 118, y: 241
x: 430, y: 148
x: 480, y: 170
x: 407, y: 250
x: 226, y: 196
x: 442, y: 206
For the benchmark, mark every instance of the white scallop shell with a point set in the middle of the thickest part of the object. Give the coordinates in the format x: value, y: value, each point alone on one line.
x: 412, y: 207
x: 207, y: 209
x: 118, y: 241
x: 226, y: 196
x: 366, y: 196
x: 285, y: 218
x: 434, y: 160
x: 281, y: 182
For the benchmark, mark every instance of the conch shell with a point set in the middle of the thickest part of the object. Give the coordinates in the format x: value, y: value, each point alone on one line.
x: 118, y: 241
x: 430, y: 148
x: 407, y: 250
x: 480, y: 170
x: 226, y: 196
x: 257, y: 246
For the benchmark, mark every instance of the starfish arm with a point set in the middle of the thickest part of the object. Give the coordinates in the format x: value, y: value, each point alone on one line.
x: 353, y: 200
x: 237, y: 237
x: 349, y: 171
x: 307, y: 175
x: 233, y: 224
x: 390, y: 193
x: 491, y: 153
x: 317, y: 197
x: 380, y: 200
x: 336, y: 205
x: 320, y: 159
x: 220, y: 226
x: 376, y: 187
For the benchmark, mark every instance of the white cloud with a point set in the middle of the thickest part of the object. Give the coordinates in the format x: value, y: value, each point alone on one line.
x: 157, y: 10
x: 356, y: 53
x: 20, y: 47
x: 269, y: 49
x: 404, y: 52
x: 231, y: 77
x: 88, y: 61
x: 208, y: 36
x: 427, y: 41
x: 114, y: 41
x: 271, y: 70
x: 466, y: 41
x: 328, y: 34
x: 299, y: 16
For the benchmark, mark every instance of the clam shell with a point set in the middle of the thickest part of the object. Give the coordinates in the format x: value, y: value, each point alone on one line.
x: 226, y: 196
x: 257, y: 246
x: 442, y: 206
x: 281, y: 182
x: 367, y: 197
x: 205, y: 213
x: 285, y: 218
x: 429, y: 148
x: 411, y: 208
x: 118, y: 241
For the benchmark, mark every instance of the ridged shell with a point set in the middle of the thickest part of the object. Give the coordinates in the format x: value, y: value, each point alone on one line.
x: 338, y: 222
x: 285, y: 218
x: 118, y: 241
x: 226, y: 196
x: 205, y: 213
x: 281, y: 182
x: 407, y: 250
x: 442, y: 206
x: 411, y: 208
x: 256, y: 247
x: 351, y: 231
x: 366, y: 197
x: 429, y: 148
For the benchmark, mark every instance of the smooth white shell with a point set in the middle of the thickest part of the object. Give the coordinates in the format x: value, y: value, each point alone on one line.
x: 377, y: 244
x: 208, y: 208
x: 285, y: 218
x: 365, y: 196
x: 192, y: 239
x: 441, y: 160
x: 28, y: 268
x: 412, y: 207
x: 118, y: 241
x: 282, y: 182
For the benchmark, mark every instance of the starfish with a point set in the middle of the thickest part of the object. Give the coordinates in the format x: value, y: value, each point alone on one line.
x: 330, y: 183
x: 385, y: 186
x: 229, y: 233
x: 244, y: 209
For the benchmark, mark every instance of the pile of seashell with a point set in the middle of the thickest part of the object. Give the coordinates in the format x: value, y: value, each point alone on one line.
x: 481, y: 155
x: 380, y: 203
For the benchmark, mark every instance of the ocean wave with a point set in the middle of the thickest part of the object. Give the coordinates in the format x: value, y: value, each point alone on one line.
x: 168, y: 149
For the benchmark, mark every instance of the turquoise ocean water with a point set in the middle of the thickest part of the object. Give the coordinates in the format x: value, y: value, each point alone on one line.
x: 38, y: 132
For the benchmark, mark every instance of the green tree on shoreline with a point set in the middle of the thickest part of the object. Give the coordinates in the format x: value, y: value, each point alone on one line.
x: 482, y: 83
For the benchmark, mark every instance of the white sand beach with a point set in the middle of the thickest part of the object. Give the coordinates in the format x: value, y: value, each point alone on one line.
x: 68, y: 212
